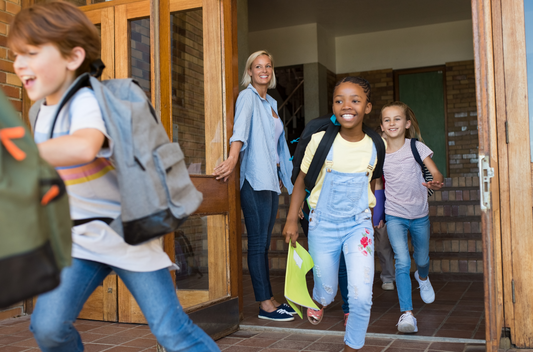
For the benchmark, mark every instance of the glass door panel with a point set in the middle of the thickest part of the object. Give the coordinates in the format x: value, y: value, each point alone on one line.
x: 188, y: 108
x: 140, y: 54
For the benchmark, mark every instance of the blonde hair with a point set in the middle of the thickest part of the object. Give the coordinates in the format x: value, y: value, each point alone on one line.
x: 414, y: 129
x: 247, y: 79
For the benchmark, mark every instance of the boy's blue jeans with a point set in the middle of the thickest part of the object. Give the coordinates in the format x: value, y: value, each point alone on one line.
x: 419, y: 229
x: 56, y: 311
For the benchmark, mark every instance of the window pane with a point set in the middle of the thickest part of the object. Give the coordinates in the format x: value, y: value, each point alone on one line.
x: 188, y: 111
x: 140, y: 54
x: 191, y: 254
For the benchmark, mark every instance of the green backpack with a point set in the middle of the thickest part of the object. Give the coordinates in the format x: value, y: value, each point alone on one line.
x: 35, y: 224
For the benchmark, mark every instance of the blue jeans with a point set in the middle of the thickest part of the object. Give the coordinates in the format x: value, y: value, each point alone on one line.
x: 386, y: 258
x: 56, y: 311
x: 260, y: 209
x: 419, y: 229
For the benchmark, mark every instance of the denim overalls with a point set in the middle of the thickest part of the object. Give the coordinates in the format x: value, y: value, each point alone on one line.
x: 342, y: 220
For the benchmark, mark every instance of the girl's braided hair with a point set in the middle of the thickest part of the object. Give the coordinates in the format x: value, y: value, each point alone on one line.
x: 360, y: 81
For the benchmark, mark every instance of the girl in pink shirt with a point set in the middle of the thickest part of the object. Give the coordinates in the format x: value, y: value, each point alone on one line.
x: 406, y: 205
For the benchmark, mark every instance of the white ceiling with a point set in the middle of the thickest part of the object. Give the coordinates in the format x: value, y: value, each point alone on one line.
x: 345, y: 17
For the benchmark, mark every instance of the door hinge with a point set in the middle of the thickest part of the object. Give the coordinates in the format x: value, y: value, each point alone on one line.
x: 486, y: 173
x: 512, y: 285
x: 507, y: 132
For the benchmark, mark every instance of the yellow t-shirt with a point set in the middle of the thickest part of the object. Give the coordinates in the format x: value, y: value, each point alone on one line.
x: 348, y: 157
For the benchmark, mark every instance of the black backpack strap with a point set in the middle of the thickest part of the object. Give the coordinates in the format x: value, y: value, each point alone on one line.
x: 320, y: 156
x: 380, y: 149
x: 82, y: 81
x: 415, y: 152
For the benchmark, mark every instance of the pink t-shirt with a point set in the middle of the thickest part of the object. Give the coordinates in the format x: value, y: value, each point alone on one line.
x: 405, y: 196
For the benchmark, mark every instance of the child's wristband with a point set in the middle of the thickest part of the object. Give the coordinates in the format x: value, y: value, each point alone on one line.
x: 379, y: 209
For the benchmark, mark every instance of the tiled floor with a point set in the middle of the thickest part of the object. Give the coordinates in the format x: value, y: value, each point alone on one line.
x: 96, y: 336
x: 457, y: 312
x: 244, y: 341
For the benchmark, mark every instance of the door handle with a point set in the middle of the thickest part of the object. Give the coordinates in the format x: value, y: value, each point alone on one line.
x: 485, y: 174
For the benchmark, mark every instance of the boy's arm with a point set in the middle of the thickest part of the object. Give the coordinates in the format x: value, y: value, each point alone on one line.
x: 290, y: 231
x: 80, y: 147
x: 438, y: 179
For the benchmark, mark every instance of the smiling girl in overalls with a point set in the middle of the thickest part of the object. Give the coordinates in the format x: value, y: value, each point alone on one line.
x: 340, y: 217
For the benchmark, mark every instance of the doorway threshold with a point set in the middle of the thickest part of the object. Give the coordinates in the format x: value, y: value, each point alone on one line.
x: 255, y: 328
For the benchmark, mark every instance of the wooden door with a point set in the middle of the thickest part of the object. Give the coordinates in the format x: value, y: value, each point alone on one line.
x: 183, y: 54
x: 424, y: 90
x: 504, y: 128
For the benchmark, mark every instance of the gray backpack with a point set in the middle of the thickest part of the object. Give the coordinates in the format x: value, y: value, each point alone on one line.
x: 157, y: 194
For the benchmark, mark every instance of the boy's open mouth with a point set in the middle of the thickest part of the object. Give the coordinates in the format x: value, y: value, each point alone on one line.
x: 27, y: 80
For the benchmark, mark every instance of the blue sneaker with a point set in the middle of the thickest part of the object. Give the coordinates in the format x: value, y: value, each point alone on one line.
x: 277, y: 315
x: 288, y: 308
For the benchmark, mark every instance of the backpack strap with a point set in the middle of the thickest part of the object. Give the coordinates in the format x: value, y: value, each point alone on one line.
x: 372, y: 161
x: 415, y: 152
x: 380, y: 149
x: 82, y: 81
x: 320, y: 156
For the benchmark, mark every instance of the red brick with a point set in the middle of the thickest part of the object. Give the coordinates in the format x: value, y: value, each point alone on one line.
x: 6, y: 66
x: 6, y: 17
x: 12, y: 92
x: 17, y: 104
x: 12, y: 8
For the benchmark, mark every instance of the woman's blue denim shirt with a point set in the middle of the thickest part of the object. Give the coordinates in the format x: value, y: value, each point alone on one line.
x: 254, y: 126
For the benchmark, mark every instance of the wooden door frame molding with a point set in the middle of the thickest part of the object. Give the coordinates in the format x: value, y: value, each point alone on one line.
x: 396, y: 85
x: 487, y: 122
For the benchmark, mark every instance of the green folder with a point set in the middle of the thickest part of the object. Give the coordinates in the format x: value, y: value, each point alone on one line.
x: 299, y: 262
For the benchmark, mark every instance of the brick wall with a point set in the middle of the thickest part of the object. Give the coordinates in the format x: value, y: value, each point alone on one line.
x: 462, y: 118
x: 382, y: 85
x: 188, y: 87
x: 9, y: 82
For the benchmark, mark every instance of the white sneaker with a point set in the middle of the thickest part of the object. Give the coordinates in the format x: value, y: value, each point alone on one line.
x: 426, y: 290
x: 407, y: 323
x: 387, y: 286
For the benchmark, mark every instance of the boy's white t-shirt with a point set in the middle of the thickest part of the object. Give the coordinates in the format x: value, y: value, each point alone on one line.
x: 93, y: 192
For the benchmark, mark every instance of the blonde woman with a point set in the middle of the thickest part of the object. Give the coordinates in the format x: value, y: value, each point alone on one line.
x: 259, y: 139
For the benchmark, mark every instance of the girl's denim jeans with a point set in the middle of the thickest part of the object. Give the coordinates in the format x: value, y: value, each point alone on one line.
x: 419, y: 229
x: 56, y: 311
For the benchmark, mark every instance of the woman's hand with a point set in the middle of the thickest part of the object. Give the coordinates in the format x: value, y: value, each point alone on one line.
x: 290, y: 231
x: 225, y: 168
x: 380, y: 225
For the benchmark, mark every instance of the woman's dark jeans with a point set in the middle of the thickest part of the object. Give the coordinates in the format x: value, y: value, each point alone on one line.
x: 260, y: 209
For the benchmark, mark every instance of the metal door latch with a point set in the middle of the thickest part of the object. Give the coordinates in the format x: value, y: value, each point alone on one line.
x: 485, y: 174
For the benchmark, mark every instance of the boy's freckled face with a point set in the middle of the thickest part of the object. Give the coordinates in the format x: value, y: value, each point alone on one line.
x: 43, y: 72
x: 350, y: 105
x: 394, y: 122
